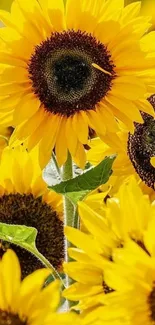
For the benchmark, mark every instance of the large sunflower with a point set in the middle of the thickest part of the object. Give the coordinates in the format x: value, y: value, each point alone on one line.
x: 124, y: 218
x: 26, y: 302
x: 65, y: 69
x: 26, y: 200
x: 134, y: 152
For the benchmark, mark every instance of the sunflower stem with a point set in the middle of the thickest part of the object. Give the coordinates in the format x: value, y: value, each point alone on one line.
x: 56, y: 164
x: 76, y: 219
x: 68, y: 206
x: 67, y: 174
x: 42, y: 258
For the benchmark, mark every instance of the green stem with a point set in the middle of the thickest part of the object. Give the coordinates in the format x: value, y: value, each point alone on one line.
x: 68, y: 206
x: 42, y: 258
x: 76, y: 219
x: 56, y: 164
x: 68, y: 168
x: 33, y: 250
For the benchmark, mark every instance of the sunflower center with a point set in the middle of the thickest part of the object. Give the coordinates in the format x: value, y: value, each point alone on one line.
x: 10, y: 319
x: 68, y: 66
x: 63, y: 76
x: 26, y: 210
x: 151, y: 301
x: 141, y: 147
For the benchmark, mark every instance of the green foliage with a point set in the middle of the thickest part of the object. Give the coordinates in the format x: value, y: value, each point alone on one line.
x: 24, y: 237
x: 79, y: 186
x: 19, y: 235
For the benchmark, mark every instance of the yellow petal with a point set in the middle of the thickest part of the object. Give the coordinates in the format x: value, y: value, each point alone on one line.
x: 80, y: 156
x: 30, y: 288
x: 27, y: 128
x: 107, y: 116
x: 111, y: 9
x: 72, y: 140
x: 153, y: 161
x: 86, y: 275
x: 9, y: 59
x: 11, y: 280
x: 97, y: 123
x: 131, y: 88
x: 78, y: 291
x: 101, y: 34
x: 80, y: 127
x: 14, y: 74
x: 61, y: 144
x: 83, y: 241
x: 145, y: 106
x: 127, y: 107
x: 131, y: 11
x: 73, y: 13
x: 28, y: 106
x: 55, y: 11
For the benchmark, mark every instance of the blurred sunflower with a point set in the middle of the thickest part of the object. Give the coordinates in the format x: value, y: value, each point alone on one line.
x: 65, y: 69
x: 27, y: 302
x: 124, y: 218
x: 134, y: 152
x: 26, y: 200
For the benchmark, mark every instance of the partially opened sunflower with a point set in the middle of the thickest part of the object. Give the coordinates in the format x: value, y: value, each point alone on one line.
x: 135, y: 154
x: 127, y: 216
x: 133, y: 276
x: 66, y: 69
x: 26, y: 200
x: 27, y: 302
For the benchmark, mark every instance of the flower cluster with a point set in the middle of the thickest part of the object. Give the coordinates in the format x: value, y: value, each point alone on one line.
x: 77, y: 162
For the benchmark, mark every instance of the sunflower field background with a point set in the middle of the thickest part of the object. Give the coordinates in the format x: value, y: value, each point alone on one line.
x: 77, y: 162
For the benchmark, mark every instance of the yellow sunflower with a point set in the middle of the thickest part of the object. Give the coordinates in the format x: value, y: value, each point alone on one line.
x: 26, y: 200
x: 26, y: 302
x: 124, y: 218
x: 134, y: 152
x: 134, y: 281
x: 67, y: 68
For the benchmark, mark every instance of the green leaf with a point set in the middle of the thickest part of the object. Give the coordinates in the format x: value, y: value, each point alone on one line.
x: 25, y: 237
x: 20, y: 235
x: 88, y: 181
x: 77, y: 196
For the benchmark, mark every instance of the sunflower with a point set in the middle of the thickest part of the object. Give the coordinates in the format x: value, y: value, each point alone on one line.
x: 26, y: 200
x: 134, y: 152
x: 133, y: 277
x: 65, y: 69
x: 27, y: 302
x: 124, y: 218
